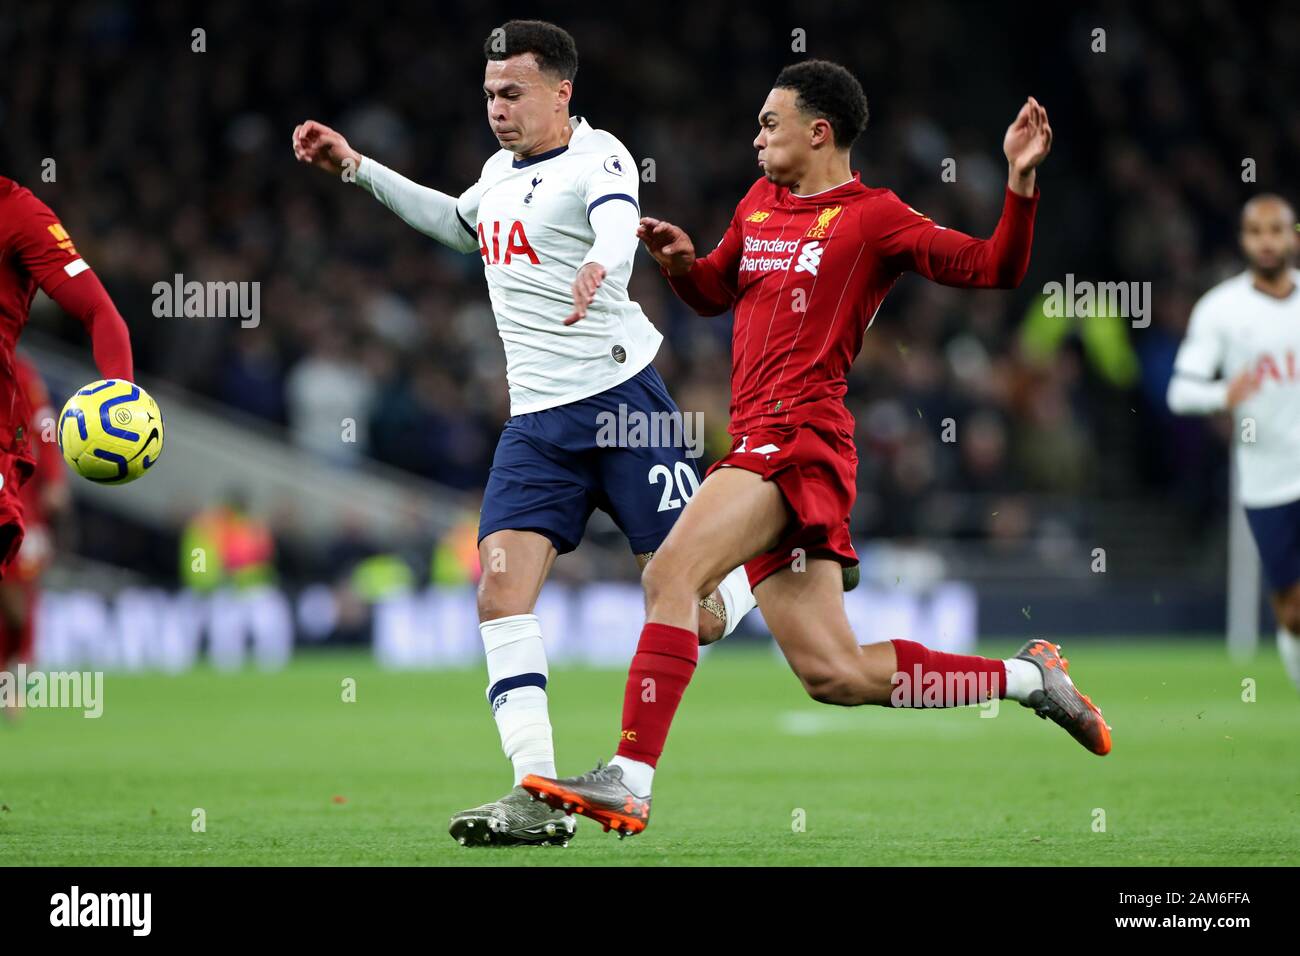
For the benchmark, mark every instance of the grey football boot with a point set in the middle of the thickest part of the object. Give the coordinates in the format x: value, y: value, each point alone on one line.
x: 599, y: 794
x: 514, y: 820
x: 1061, y: 701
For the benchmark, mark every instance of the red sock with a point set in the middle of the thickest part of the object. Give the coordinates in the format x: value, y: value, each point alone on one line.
x: 661, y: 668
x: 927, y: 678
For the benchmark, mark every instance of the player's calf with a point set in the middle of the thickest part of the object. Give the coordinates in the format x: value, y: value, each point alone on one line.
x: 846, y: 679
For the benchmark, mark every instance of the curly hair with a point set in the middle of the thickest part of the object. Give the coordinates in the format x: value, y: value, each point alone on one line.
x: 553, y: 46
x: 828, y: 91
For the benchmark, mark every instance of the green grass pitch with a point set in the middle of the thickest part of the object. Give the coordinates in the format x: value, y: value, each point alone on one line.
x: 288, y: 773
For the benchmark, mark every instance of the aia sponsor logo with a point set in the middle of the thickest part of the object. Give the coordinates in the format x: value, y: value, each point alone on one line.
x: 1280, y: 369
x: 516, y: 245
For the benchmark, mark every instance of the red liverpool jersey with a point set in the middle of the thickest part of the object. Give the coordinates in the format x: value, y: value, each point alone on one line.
x: 35, y: 250
x: 805, y: 276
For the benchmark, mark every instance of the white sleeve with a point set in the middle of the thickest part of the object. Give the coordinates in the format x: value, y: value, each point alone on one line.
x: 609, y: 180
x: 615, y: 226
x: 1195, y: 388
x: 433, y: 213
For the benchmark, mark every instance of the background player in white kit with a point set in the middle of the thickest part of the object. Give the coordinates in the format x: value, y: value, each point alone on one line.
x: 554, y: 216
x: 1248, y: 330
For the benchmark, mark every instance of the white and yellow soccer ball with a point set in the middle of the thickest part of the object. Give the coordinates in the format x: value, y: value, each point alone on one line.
x: 111, y: 431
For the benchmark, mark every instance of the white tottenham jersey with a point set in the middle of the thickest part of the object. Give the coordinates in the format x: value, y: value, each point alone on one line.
x: 1235, y: 327
x: 531, y: 217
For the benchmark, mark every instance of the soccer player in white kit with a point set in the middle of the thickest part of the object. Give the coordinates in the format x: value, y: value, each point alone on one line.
x: 554, y: 216
x: 1247, y: 330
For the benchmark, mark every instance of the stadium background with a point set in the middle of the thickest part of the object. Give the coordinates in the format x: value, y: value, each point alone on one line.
x: 171, y: 161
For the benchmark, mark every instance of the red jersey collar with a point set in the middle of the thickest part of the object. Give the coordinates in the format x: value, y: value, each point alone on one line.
x: 842, y: 191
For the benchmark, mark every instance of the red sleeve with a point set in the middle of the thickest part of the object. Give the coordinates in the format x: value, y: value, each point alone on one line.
x: 710, y: 287
x: 46, y: 251
x: 87, y: 300
x: 910, y: 241
x: 42, y: 245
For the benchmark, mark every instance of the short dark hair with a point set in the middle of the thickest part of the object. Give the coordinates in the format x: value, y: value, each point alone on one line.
x: 552, y: 46
x: 830, y: 92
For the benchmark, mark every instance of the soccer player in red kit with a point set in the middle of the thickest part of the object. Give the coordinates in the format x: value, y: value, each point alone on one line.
x: 804, y: 265
x: 45, y: 500
x: 36, y: 251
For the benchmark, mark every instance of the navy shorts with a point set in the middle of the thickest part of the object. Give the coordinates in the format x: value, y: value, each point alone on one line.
x: 1277, y: 535
x: 618, y: 451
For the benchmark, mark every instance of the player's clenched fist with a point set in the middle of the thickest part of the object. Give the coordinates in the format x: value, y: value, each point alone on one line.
x: 324, y: 148
x: 669, y: 245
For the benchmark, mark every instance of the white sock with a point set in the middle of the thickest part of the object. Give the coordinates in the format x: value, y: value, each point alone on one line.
x: 516, y: 663
x: 637, y: 775
x: 1023, y: 678
x: 737, y: 598
x: 1288, y: 646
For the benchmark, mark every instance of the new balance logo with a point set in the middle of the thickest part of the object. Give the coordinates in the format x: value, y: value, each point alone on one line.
x: 810, y: 258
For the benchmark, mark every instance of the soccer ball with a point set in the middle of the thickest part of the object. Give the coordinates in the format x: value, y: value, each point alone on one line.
x: 111, y: 432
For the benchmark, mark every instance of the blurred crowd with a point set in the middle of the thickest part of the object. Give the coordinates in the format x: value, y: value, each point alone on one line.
x: 171, y: 160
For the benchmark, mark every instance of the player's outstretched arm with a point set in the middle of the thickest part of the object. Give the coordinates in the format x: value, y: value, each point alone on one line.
x: 427, y: 210
x: 909, y: 240
x: 707, y: 285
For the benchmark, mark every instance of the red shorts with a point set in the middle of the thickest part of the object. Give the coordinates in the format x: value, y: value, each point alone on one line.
x: 815, y: 465
x: 14, y: 471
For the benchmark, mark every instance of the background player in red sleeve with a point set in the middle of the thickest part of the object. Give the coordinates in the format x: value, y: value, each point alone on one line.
x: 805, y: 263
x: 45, y: 500
x: 36, y: 251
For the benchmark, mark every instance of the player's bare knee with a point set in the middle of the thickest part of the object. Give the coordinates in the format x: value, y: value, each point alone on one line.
x: 665, y: 577
x: 497, y: 598
x: 711, y: 627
